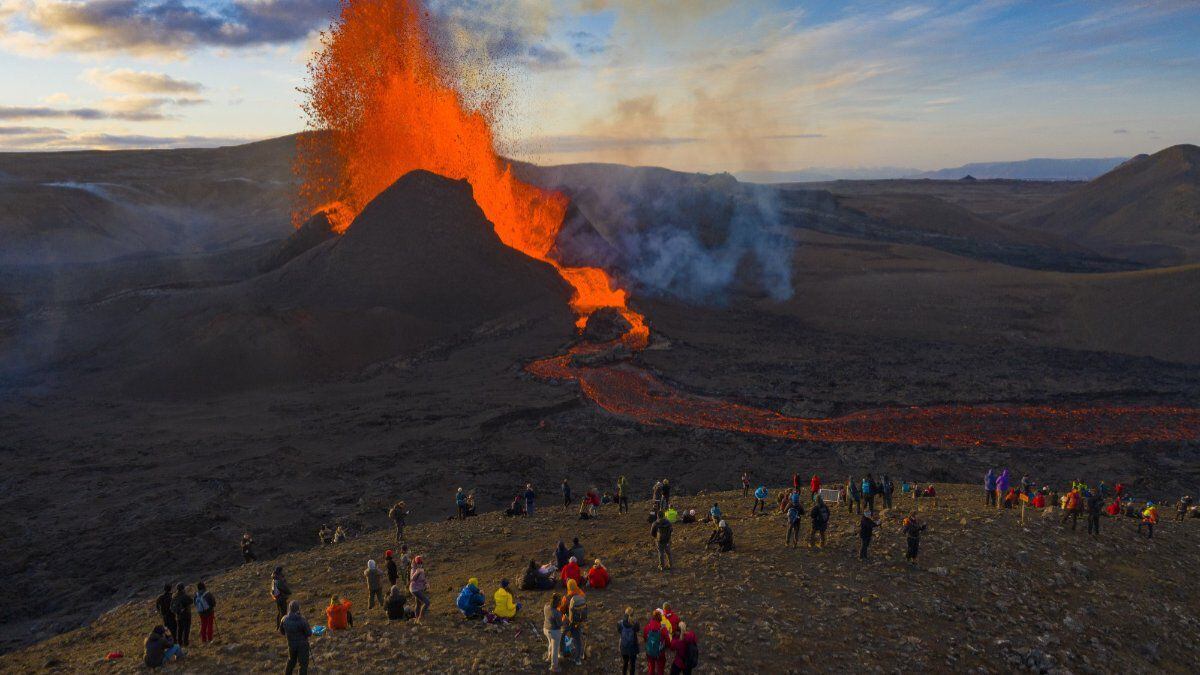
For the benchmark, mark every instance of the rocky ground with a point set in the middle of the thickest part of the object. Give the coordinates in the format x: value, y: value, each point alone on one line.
x: 988, y: 595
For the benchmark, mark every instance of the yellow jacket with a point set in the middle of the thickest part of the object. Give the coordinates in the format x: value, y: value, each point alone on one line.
x: 505, y: 607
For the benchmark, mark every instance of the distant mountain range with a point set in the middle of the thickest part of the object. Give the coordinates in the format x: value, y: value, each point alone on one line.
x: 1028, y: 169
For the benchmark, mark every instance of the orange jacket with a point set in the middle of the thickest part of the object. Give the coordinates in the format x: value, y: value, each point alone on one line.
x: 336, y: 616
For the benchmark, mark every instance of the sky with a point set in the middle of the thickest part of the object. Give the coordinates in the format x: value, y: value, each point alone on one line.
x: 698, y: 85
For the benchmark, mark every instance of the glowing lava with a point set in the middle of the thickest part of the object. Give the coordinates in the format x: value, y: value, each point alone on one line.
x: 384, y: 97
x: 632, y: 392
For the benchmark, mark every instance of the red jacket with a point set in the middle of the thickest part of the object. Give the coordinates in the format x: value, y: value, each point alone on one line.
x: 679, y: 646
x: 673, y: 619
x: 796, y: 481
x: 655, y: 626
x: 1039, y: 501
x: 598, y: 577
x: 571, y: 571
x: 815, y: 485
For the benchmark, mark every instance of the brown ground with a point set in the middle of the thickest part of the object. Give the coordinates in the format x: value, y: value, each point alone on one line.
x: 988, y: 595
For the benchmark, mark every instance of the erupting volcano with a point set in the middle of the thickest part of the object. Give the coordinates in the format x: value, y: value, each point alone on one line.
x: 386, y: 100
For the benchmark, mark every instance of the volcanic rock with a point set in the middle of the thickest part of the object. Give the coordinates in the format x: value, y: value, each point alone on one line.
x: 314, y: 232
x: 605, y: 325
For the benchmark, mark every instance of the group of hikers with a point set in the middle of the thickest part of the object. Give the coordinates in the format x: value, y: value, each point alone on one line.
x: 661, y: 635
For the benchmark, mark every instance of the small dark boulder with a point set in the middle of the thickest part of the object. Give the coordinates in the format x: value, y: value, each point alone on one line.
x: 605, y: 325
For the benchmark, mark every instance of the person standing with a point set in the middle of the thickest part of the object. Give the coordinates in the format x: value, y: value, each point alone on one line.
x: 390, y: 565
x: 296, y: 629
x: 399, y: 514
x: 866, y: 529
x: 745, y: 484
x: 163, y: 605
x: 460, y: 501
x: 206, y: 609
x: 912, y: 529
x: 1149, y: 520
x: 566, y: 493
x: 1001, y: 488
x: 552, y: 629
x: 854, y: 503
x: 280, y: 591
x: 247, y: 548
x: 1095, y: 507
x: 661, y: 532
x: 666, y: 493
x: 181, y: 605
x: 418, y: 585
x: 686, y: 649
x: 820, y: 521
x: 794, y: 515
x: 989, y: 488
x: 814, y: 486
x: 622, y: 495
x: 657, y: 639
x: 577, y: 613
x: 887, y: 488
x: 374, y: 579
x: 628, y: 629
x: 1185, y: 505
x: 530, y: 497
x: 760, y: 501
x: 868, y: 493
x: 656, y: 495
x: 796, y: 481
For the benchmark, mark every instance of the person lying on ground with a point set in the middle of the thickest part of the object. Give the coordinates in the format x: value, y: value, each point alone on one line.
x: 597, y: 576
x: 535, y: 580
x: 470, y: 600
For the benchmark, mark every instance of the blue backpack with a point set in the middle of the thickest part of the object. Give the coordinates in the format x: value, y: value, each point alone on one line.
x: 654, y: 644
x: 629, y: 641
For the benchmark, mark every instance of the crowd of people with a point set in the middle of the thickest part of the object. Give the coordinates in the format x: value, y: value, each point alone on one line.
x: 660, y: 636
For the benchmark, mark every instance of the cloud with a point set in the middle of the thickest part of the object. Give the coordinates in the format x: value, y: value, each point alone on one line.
x: 51, y: 139
x: 129, y: 108
x: 128, y: 81
x: 908, y: 13
x: 159, y: 27
x: 1120, y: 131
x: 571, y: 143
x: 790, y: 137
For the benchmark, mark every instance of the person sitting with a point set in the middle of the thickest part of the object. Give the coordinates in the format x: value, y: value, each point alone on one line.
x: 470, y: 600
x: 585, y: 512
x: 337, y: 614
x: 536, y: 580
x: 505, y: 606
x: 395, y: 604
x: 930, y: 493
x: 721, y: 538
x: 339, y: 535
x: 714, y: 514
x: 160, y: 648
x: 597, y: 576
x: 1039, y: 501
x: 325, y: 534
x: 1011, y: 499
x: 607, y: 498
x: 562, y: 555
x: 577, y: 550
x: 516, y: 508
x: 671, y: 514
x: 571, y: 572
x: 688, y: 516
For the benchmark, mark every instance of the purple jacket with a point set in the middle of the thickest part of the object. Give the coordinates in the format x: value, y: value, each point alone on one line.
x: 1002, y: 481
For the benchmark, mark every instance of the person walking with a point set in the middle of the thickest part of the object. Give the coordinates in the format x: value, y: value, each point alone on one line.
x: 247, y: 548
x: 552, y: 629
x: 912, y: 529
x: 163, y: 605
x: 814, y: 486
x: 628, y: 628
x: 418, y: 585
x: 280, y: 592
x: 206, y: 609
x: 661, y: 532
x: 530, y: 497
x: 820, y: 521
x: 399, y: 514
x: 374, y: 578
x: 989, y: 488
x: 181, y: 605
x: 760, y: 501
x: 866, y: 529
x: 296, y: 629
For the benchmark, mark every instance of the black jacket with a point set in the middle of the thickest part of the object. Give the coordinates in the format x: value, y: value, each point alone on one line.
x: 661, y: 531
x: 181, y: 604
x: 156, y: 647
x: 395, y: 607
x: 296, y: 629
x: 163, y: 605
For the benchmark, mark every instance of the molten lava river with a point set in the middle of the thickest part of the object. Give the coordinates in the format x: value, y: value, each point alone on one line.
x: 386, y: 101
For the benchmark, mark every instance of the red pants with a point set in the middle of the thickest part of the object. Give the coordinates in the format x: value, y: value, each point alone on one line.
x: 654, y: 666
x: 206, y: 626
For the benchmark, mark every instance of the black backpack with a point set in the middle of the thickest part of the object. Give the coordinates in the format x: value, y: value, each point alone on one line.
x: 691, y: 656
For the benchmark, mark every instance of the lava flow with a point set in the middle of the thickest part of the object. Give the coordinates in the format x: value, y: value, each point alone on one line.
x: 384, y: 99
x: 632, y: 392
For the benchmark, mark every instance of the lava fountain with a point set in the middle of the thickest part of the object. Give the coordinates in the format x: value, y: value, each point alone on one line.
x: 384, y: 99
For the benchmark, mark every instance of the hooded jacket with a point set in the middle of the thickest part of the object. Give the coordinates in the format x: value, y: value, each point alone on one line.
x: 1002, y: 481
x: 373, y: 576
x: 679, y: 647
x: 506, y: 608
x: 572, y: 590
x: 338, y: 616
x: 470, y: 600
x: 989, y: 480
x: 570, y: 572
x: 296, y: 629
x: 156, y: 645
x: 815, y: 484
x: 562, y: 555
x: 417, y: 581
x: 598, y: 577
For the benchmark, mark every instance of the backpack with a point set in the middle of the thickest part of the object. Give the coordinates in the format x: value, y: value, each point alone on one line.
x: 628, y: 638
x: 202, y: 604
x: 654, y: 644
x: 568, y: 645
x: 691, y: 656
x: 577, y: 610
x: 275, y: 589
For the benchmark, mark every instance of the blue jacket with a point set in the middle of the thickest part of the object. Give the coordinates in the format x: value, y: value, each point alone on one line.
x: 989, y: 480
x: 866, y: 488
x: 470, y: 600
x: 715, y: 512
x: 760, y: 493
x: 460, y: 498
